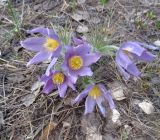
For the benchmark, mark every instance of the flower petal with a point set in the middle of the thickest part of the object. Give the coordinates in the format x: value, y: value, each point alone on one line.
x: 133, y: 47
x: 91, y: 58
x: 107, y: 96
x: 83, y: 94
x: 70, y: 82
x: 127, y: 64
x: 123, y: 72
x: 123, y: 60
x: 44, y: 78
x: 101, y: 107
x: 147, y: 56
x: 138, y: 51
x: 45, y: 32
x: 34, y: 44
x: 68, y: 48
x: 68, y: 54
x: 85, y: 71
x: 62, y: 90
x: 83, y: 48
x: 77, y: 41
x: 48, y: 87
x: 39, y: 57
x: 132, y: 69
x: 57, y: 52
x: 54, y: 60
x: 73, y: 79
x: 89, y: 105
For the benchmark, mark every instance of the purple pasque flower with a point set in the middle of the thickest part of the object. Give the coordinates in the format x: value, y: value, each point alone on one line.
x: 47, y: 47
x: 128, y: 53
x: 57, y: 79
x: 77, y: 59
x: 96, y: 95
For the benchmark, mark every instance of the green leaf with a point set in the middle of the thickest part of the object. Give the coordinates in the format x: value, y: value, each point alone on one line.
x: 103, y: 1
x: 108, y: 50
x: 151, y: 15
x: 158, y: 24
x: 86, y: 81
x: 64, y: 33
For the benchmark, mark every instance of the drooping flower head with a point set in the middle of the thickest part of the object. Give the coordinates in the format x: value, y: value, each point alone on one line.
x: 128, y: 53
x: 77, y: 59
x: 47, y: 47
x: 57, y: 79
x: 96, y: 95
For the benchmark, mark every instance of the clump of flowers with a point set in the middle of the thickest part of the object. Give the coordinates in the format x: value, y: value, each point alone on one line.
x: 76, y: 61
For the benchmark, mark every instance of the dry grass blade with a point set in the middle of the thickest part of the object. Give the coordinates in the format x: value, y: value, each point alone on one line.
x: 47, y: 130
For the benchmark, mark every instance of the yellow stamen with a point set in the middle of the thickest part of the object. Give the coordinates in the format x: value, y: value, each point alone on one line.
x: 95, y: 92
x: 75, y: 62
x: 58, y: 78
x: 51, y: 44
x: 127, y: 52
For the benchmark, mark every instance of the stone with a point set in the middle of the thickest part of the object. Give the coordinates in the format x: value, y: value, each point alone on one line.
x: 82, y: 29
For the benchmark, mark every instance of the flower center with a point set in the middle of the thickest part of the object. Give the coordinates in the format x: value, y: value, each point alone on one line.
x: 51, y: 44
x: 75, y: 62
x: 58, y: 78
x: 127, y: 52
x: 95, y: 92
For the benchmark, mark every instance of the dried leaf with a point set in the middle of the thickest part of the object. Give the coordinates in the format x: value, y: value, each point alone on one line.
x: 115, y: 116
x: 66, y: 124
x: 47, y: 130
x: 147, y: 107
x: 28, y: 99
x: 36, y: 86
x: 117, y: 90
x: 80, y: 15
x: 90, y: 125
x: 118, y: 94
x: 95, y: 20
x: 127, y: 129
